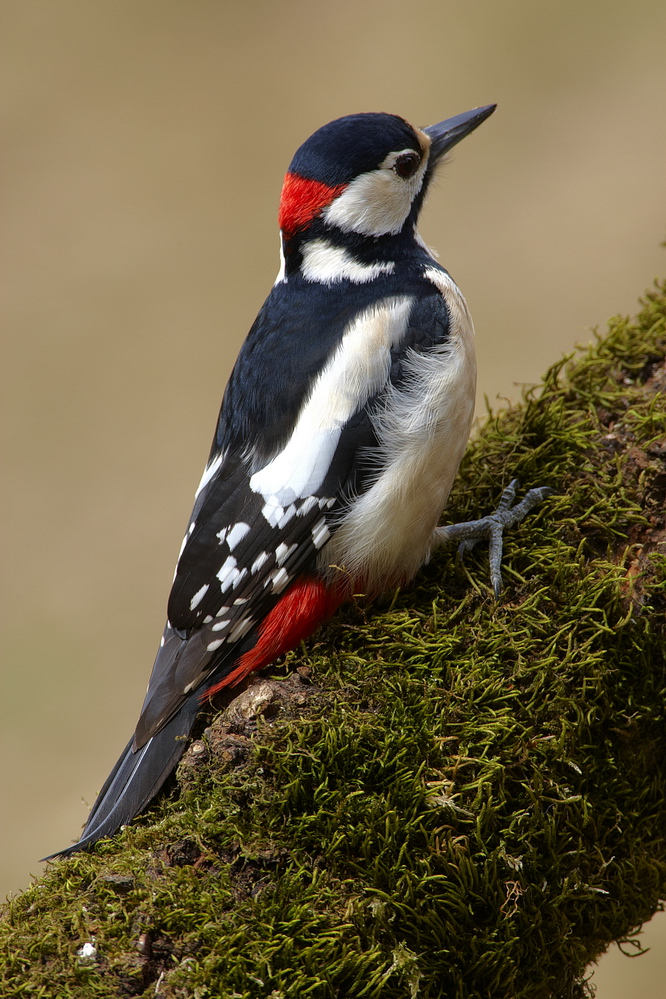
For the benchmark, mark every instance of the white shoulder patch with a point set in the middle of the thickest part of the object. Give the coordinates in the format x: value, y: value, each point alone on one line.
x: 327, y: 264
x: 356, y: 370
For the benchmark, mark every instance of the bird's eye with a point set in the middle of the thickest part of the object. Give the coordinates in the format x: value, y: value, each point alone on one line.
x: 407, y: 164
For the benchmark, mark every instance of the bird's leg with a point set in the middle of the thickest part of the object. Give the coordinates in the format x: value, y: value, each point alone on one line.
x: 492, y: 527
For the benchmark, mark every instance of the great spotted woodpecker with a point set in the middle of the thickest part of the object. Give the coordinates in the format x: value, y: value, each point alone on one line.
x: 340, y: 433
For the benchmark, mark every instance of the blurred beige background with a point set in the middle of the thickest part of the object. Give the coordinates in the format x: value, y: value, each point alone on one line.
x: 144, y: 147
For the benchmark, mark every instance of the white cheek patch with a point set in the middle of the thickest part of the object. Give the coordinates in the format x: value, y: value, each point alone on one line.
x: 357, y: 369
x: 329, y: 264
x: 378, y: 202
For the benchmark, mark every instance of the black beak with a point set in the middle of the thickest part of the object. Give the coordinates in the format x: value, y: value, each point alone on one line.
x: 446, y: 134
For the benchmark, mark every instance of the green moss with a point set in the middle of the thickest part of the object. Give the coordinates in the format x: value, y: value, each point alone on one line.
x: 471, y: 801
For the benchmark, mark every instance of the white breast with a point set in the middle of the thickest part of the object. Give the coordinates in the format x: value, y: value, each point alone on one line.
x: 423, y: 430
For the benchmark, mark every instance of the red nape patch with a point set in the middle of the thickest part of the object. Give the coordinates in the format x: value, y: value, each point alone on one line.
x: 301, y: 200
x: 306, y: 604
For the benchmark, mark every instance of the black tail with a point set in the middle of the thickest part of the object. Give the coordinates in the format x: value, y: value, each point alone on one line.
x: 136, y: 779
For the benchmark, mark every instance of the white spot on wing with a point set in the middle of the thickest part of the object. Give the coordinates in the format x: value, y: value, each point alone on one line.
x: 208, y: 474
x: 221, y: 625
x: 229, y: 575
x: 272, y: 509
x: 279, y: 579
x: 305, y: 507
x: 241, y: 628
x: 282, y: 552
x: 324, y: 262
x: 182, y: 547
x: 236, y: 534
x: 199, y: 595
x: 356, y: 370
x: 259, y: 561
x: 215, y: 645
x: 289, y: 512
x: 320, y: 533
x: 228, y: 566
x: 222, y: 611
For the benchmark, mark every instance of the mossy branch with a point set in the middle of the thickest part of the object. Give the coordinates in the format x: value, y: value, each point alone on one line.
x: 441, y: 795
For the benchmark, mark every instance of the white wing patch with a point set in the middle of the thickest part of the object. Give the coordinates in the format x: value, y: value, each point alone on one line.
x: 357, y: 369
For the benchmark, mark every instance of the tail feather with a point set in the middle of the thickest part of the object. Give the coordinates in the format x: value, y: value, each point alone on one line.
x: 136, y: 779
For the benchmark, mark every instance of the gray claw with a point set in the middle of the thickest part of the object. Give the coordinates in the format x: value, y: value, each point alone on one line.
x: 492, y: 527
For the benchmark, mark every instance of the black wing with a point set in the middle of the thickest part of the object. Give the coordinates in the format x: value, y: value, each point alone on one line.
x: 239, y: 557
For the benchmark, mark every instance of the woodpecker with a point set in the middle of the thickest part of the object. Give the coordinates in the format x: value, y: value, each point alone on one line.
x: 340, y: 433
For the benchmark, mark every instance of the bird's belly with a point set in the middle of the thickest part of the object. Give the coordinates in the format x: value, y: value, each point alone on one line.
x: 423, y: 429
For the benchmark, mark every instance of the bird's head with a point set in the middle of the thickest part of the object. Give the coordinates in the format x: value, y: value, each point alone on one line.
x: 366, y: 175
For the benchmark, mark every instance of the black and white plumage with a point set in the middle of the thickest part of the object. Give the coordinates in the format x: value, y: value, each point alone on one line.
x: 340, y: 433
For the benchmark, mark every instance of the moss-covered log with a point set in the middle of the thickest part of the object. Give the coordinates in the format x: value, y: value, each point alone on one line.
x: 440, y: 796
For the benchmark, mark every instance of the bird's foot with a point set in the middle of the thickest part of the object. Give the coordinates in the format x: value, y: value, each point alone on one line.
x: 492, y: 527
